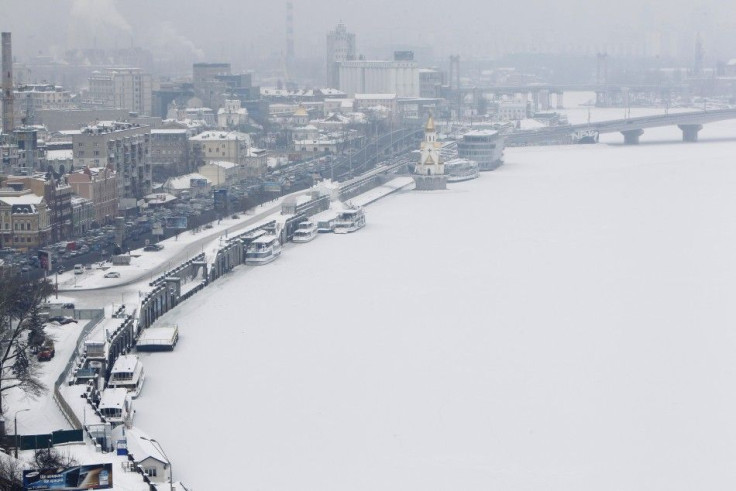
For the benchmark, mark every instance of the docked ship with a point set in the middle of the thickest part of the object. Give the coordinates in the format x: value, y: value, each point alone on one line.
x: 263, y: 250
x: 458, y: 170
x: 127, y: 373
x: 349, y: 220
x: 116, y: 406
x: 482, y: 146
x: 305, y: 231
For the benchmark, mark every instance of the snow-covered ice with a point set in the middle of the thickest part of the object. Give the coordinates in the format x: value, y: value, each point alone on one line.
x: 562, y: 323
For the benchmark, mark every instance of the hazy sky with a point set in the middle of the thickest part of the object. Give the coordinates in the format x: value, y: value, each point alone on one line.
x: 243, y: 30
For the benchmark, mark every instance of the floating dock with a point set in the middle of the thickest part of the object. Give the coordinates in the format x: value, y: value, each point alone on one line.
x: 158, y: 339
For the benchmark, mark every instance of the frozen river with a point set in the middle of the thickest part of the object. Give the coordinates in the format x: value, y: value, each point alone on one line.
x: 563, y: 323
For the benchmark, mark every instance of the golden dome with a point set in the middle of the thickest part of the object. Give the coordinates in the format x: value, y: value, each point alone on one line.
x: 430, y: 125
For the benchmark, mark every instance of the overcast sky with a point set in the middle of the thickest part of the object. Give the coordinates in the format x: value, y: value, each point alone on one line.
x: 241, y: 30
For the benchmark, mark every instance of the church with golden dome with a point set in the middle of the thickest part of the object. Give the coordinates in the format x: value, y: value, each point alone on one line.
x: 429, y: 172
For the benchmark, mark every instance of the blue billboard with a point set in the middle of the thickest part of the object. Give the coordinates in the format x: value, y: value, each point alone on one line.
x: 220, y: 199
x: 176, y: 222
x: 93, y: 476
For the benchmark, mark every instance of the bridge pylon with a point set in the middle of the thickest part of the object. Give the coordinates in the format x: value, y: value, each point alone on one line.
x: 690, y: 131
x: 631, y: 137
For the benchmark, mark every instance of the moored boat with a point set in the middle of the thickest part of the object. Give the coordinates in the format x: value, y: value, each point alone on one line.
x: 349, y: 220
x: 305, y: 231
x: 127, y: 373
x: 263, y: 250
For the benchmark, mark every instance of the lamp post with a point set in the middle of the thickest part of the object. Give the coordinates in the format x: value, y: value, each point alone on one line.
x: 160, y: 449
x: 15, y: 424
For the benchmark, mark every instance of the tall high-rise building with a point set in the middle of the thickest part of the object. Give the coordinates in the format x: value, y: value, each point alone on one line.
x: 123, y: 147
x: 340, y: 47
x: 207, y: 86
x: 7, y: 83
x: 121, y: 88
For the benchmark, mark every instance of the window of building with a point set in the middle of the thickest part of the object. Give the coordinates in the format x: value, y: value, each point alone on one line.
x: 150, y: 471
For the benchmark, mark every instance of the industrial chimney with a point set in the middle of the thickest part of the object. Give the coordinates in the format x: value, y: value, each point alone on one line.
x: 7, y: 84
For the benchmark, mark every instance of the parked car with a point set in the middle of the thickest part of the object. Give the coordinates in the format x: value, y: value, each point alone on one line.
x: 153, y: 247
x: 47, y: 351
x: 112, y: 274
x: 78, y: 269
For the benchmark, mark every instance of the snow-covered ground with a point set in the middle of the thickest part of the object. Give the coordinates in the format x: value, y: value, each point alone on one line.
x: 562, y: 323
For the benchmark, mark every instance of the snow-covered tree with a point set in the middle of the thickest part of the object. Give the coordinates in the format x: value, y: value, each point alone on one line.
x: 18, y: 301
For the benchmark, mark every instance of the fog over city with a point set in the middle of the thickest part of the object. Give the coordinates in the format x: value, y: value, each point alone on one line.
x: 368, y: 245
x: 249, y: 31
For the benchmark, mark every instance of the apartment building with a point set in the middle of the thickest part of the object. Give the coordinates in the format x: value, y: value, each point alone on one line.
x: 122, y: 147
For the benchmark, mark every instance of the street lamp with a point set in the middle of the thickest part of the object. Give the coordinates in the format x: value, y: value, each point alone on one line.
x: 15, y: 419
x: 160, y: 449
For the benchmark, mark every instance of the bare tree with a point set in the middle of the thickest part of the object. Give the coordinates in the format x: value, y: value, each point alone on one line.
x: 18, y: 302
x: 50, y: 458
x: 11, y: 473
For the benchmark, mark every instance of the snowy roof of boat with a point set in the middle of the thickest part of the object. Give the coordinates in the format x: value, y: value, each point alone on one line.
x: 264, y: 239
x: 125, y: 364
x: 113, y: 398
x: 481, y: 133
x: 351, y: 211
x: 157, y: 333
x: 459, y: 161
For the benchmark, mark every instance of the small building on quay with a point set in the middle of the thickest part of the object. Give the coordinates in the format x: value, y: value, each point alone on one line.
x: 429, y: 173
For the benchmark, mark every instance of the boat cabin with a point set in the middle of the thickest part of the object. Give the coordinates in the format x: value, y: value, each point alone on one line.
x: 127, y: 372
x: 116, y: 406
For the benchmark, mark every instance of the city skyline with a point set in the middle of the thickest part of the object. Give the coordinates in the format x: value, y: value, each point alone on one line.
x: 247, y: 33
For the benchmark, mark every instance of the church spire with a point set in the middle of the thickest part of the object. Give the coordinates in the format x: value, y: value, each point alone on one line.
x: 429, y: 128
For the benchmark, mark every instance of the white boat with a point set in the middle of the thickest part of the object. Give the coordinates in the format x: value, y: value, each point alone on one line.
x: 458, y: 170
x: 305, y: 231
x: 349, y: 220
x: 127, y: 373
x: 263, y: 250
x: 116, y: 406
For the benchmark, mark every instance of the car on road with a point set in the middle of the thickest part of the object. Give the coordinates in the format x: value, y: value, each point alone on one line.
x: 47, y: 351
x: 78, y: 269
x: 153, y: 247
x: 112, y: 274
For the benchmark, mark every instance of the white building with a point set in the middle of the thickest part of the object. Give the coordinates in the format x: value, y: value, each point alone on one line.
x: 193, y: 184
x: 147, y: 454
x: 430, y: 157
x: 512, y: 111
x: 373, y: 101
x: 231, y: 115
x: 221, y: 172
x: 220, y: 145
x: 342, y: 106
x: 120, y: 88
x: 380, y: 77
x: 429, y: 173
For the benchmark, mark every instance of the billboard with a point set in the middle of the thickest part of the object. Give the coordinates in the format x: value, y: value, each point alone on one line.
x: 93, y: 476
x: 220, y: 199
x: 44, y: 260
x: 198, y: 183
x: 176, y: 222
x: 271, y: 187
